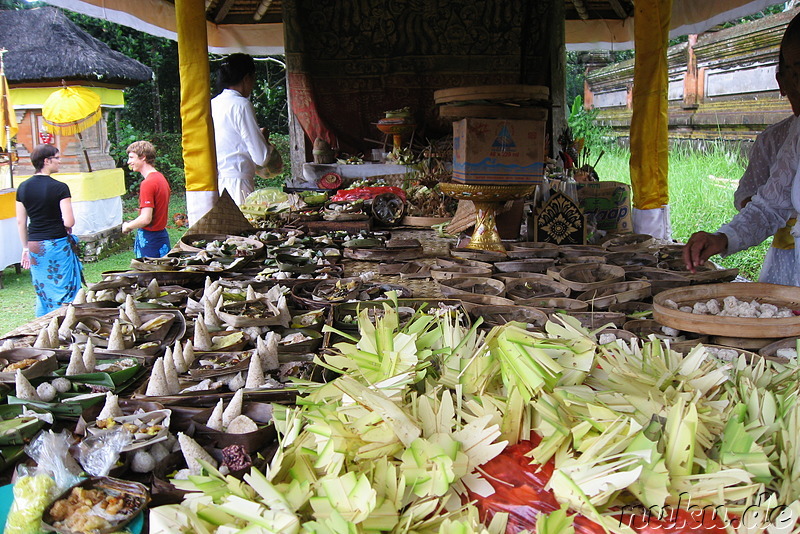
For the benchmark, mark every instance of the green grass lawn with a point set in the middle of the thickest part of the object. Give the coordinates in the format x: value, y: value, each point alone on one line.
x: 701, y: 198
x: 18, y: 298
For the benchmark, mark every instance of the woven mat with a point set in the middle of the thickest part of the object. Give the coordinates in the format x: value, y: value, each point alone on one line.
x: 224, y: 218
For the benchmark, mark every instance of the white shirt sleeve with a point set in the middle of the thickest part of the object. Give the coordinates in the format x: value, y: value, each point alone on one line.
x: 772, y: 205
x: 762, y: 155
x: 257, y: 146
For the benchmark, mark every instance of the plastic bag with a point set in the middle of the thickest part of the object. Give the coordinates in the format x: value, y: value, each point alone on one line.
x: 36, y: 487
x: 98, y: 454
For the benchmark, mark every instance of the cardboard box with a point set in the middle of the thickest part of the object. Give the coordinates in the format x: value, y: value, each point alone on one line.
x: 498, y: 151
x: 610, y: 204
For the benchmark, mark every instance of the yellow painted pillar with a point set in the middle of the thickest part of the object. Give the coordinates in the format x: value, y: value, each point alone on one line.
x: 199, y: 155
x: 649, y: 122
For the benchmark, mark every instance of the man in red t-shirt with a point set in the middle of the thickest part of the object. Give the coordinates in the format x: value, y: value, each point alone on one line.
x: 152, y: 239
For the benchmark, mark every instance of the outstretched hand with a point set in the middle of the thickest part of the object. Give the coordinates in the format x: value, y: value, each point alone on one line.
x: 702, y: 246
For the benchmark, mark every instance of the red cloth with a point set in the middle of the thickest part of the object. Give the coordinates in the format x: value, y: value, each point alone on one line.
x: 154, y: 193
x: 367, y: 193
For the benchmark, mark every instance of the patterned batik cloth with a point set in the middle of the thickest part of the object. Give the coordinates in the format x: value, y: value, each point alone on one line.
x: 151, y: 244
x: 56, y: 273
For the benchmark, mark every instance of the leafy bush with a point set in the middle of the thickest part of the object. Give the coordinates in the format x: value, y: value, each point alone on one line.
x: 584, y: 124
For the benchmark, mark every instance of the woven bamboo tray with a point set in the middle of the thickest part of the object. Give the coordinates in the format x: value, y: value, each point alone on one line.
x: 603, y: 297
x: 584, y: 277
x: 742, y: 327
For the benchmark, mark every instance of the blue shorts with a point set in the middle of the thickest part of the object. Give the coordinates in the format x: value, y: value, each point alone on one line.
x: 151, y: 244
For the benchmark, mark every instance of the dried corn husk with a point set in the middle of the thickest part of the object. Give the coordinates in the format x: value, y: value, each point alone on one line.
x: 215, y: 419
x: 89, y: 360
x: 75, y: 366
x: 234, y: 409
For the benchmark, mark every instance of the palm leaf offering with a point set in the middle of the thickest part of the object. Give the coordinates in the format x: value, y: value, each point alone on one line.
x: 397, y: 441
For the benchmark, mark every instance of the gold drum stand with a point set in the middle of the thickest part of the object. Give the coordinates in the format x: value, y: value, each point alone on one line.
x: 487, y: 199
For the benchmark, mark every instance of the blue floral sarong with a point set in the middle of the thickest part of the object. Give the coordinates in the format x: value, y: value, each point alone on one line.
x: 56, y: 273
x: 151, y: 244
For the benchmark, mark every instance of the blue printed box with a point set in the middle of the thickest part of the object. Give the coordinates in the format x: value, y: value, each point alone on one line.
x: 498, y: 151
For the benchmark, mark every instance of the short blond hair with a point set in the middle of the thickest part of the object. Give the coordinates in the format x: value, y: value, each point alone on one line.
x: 143, y: 149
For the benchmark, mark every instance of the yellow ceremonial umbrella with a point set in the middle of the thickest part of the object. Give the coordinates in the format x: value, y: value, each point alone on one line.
x: 70, y: 110
x: 8, y: 119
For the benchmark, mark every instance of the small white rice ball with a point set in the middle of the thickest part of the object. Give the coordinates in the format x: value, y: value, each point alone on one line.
x: 142, y: 462
x: 46, y: 391
x: 62, y: 384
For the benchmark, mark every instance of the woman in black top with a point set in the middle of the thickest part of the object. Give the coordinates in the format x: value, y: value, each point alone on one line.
x: 46, y: 240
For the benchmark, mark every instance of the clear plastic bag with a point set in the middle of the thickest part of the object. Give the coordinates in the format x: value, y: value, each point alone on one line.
x: 98, y: 454
x: 36, y: 487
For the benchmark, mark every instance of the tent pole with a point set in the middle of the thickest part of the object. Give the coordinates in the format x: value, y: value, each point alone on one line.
x: 199, y: 156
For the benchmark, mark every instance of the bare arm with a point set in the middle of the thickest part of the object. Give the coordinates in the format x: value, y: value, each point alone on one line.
x: 22, y: 228
x: 144, y: 218
x: 66, y: 214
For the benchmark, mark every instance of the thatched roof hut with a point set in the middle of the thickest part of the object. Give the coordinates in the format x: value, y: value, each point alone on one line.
x: 44, y: 46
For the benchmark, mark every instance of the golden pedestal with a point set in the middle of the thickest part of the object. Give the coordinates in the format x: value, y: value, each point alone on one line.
x: 487, y: 199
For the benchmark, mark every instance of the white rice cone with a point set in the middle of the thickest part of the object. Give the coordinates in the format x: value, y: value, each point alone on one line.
x: 269, y: 357
x: 207, y: 285
x: 120, y: 296
x: 216, y: 297
x: 188, y: 353
x: 171, y: 374
x: 234, y: 408
x: 202, y: 340
x: 115, y: 339
x: 255, y: 372
x: 42, y: 340
x: 91, y: 296
x: 8, y: 344
x: 192, y: 451
x: 80, y: 297
x: 236, y: 383
x: 213, y: 287
x: 215, y: 420
x: 65, y: 330
x: 24, y: 389
x: 89, y: 361
x: 251, y: 293
x: 152, y: 289
x: 177, y: 358
x: 111, y: 408
x: 242, y: 425
x: 131, y: 312
x: 75, y: 366
x: 52, y: 332
x: 157, y: 385
x: 123, y: 317
x: 211, y: 317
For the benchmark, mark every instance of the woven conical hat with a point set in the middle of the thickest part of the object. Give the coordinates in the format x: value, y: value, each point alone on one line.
x: 224, y: 218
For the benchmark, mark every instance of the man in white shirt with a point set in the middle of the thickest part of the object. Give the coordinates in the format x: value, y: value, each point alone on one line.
x: 242, y: 147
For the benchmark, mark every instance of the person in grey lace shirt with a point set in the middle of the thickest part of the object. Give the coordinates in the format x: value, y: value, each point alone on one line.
x: 766, y: 193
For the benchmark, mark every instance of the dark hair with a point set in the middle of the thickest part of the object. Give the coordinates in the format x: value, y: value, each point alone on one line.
x: 143, y: 149
x: 40, y: 154
x: 233, y: 69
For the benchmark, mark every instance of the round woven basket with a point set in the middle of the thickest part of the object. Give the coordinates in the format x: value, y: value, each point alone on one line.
x: 602, y: 297
x: 455, y: 287
x: 584, y: 277
x: 525, y: 289
x: 500, y: 315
